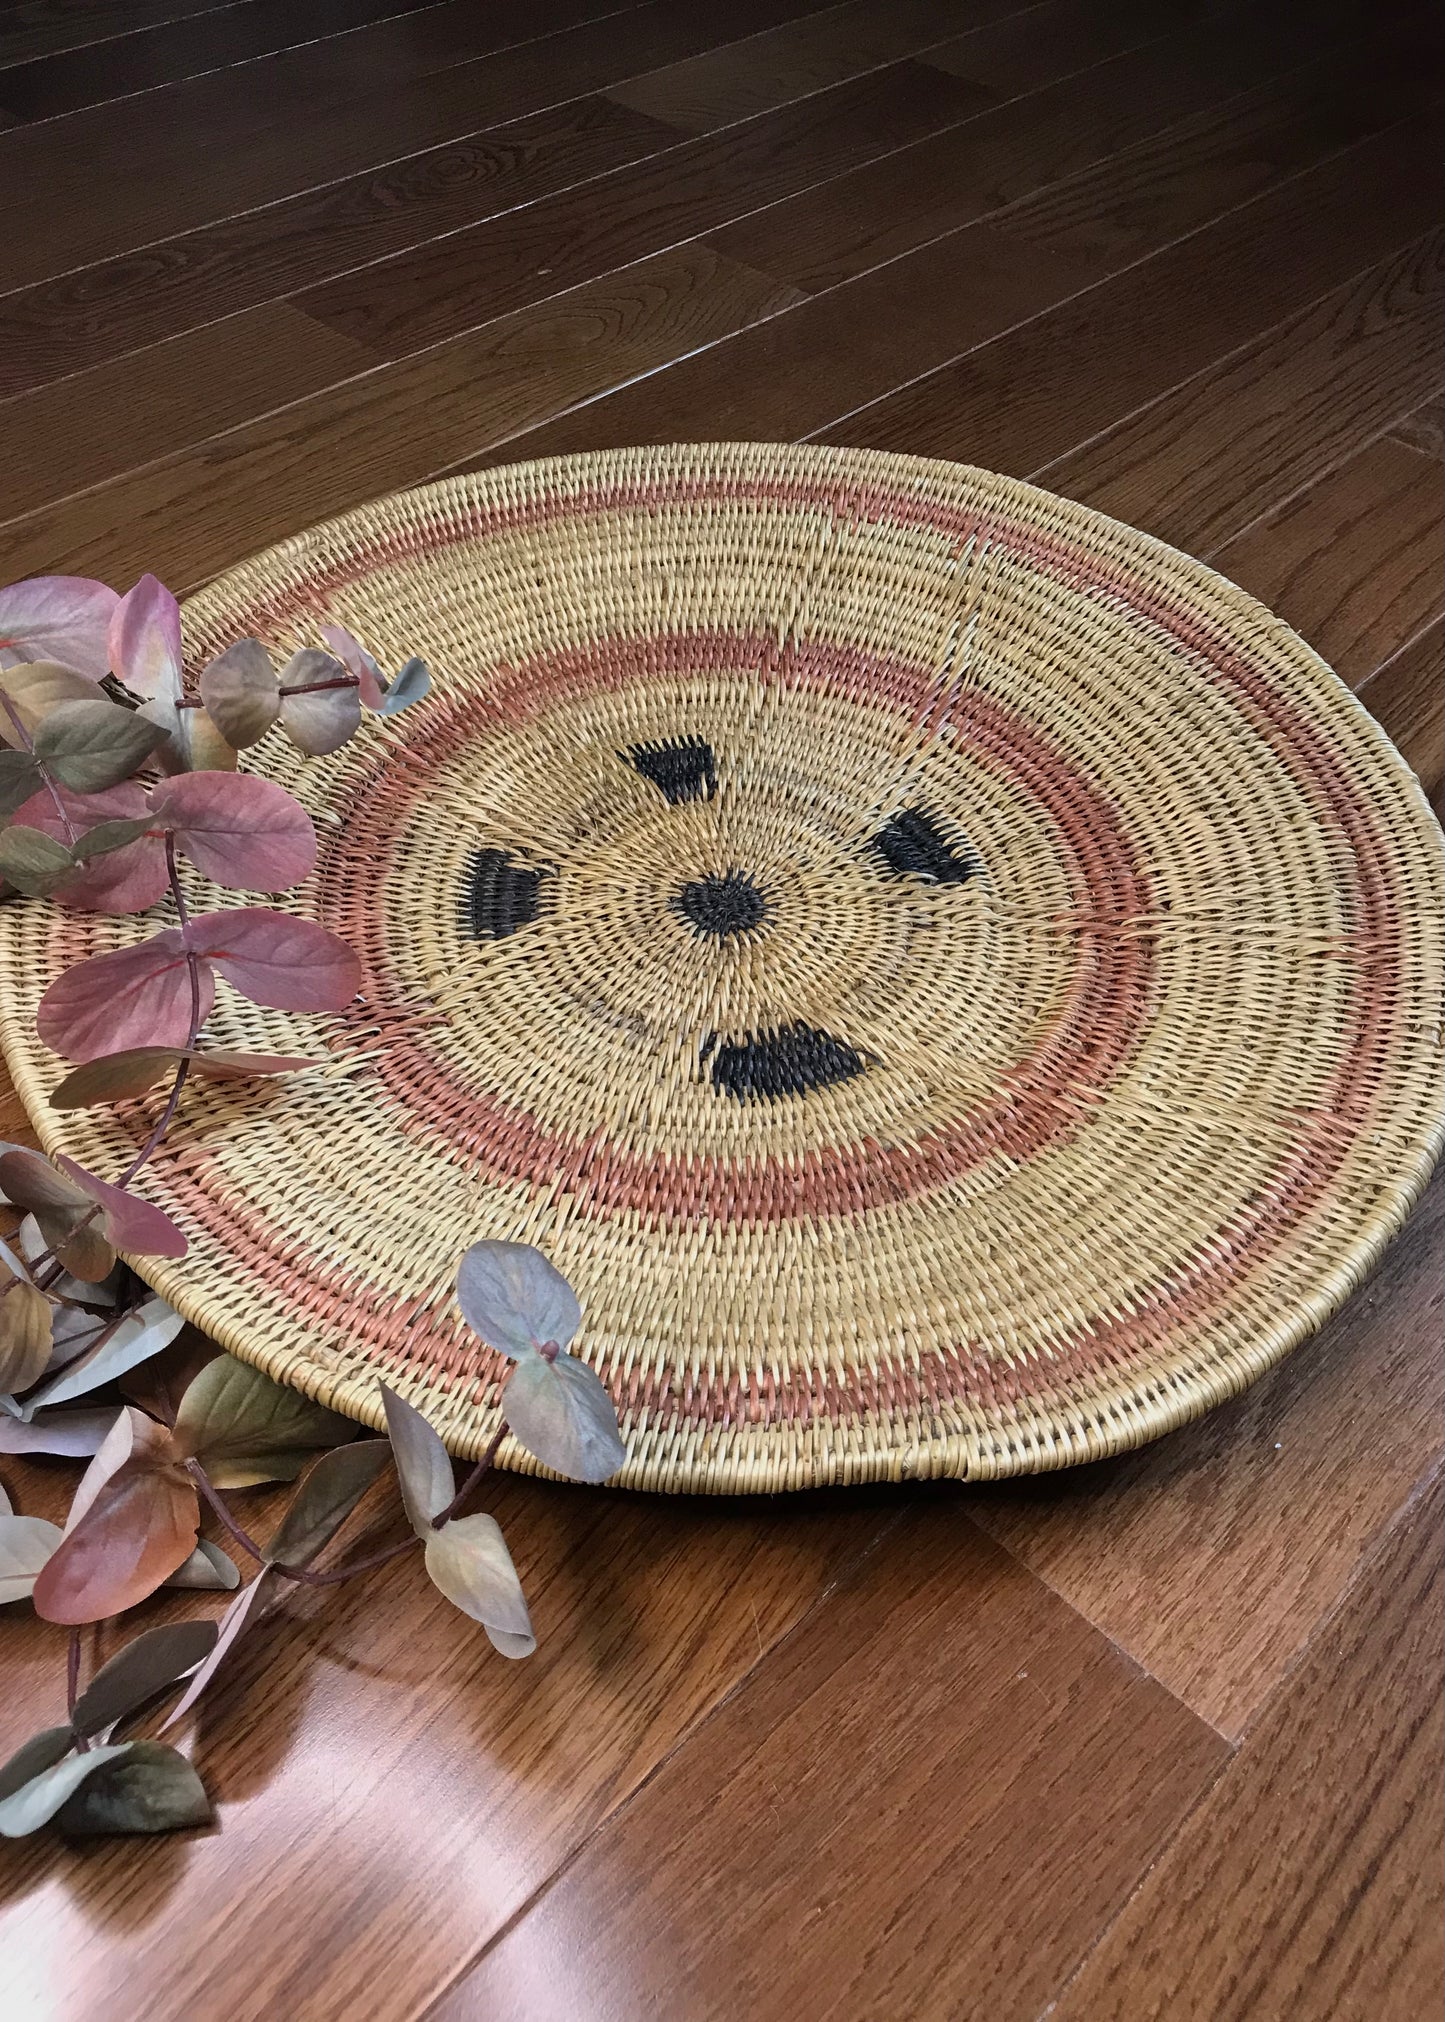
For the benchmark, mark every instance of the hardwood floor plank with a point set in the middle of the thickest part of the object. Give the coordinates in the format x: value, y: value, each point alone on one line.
x: 140, y: 408
x: 926, y: 1802
x: 1223, y: 156
x: 1407, y: 697
x: 1308, y: 1883
x: 437, y: 290
x: 1212, y: 1557
x: 39, y: 27
x: 103, y: 311
x: 1425, y: 428
x: 1356, y: 562
x: 216, y: 146
x: 173, y: 50
x: 394, y: 427
x: 1297, y: 399
x: 1033, y: 383
x: 390, y: 1790
x: 799, y: 57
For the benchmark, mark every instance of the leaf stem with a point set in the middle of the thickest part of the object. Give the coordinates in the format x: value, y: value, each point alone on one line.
x: 72, y: 1683
x: 243, y: 1539
x: 472, y: 1479
x: 183, y: 1067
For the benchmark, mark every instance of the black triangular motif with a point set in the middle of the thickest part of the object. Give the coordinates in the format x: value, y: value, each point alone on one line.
x: 913, y: 843
x: 501, y: 895
x: 681, y: 768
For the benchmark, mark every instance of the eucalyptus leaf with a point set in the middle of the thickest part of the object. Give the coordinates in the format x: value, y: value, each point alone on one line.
x: 244, y: 1429
x: 412, y: 682
x: 207, y: 1568
x: 422, y: 1463
x: 92, y: 745
x: 139, y: 1336
x: 35, y: 1803
x: 468, y: 1561
x: 107, y: 836
x: 330, y: 1492
x: 19, y: 778
x: 150, y: 1788
x: 561, y: 1414
x: 26, y: 1543
x: 41, y: 1752
x: 25, y: 1337
x: 76, y: 1434
x: 33, y: 862
x: 151, y: 1661
x: 241, y: 693
x: 515, y: 1299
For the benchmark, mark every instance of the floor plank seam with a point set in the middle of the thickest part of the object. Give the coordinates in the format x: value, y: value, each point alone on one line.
x: 765, y: 1656
x: 1154, y: 253
x: 290, y: 48
x: 1356, y: 448
x: 1410, y: 645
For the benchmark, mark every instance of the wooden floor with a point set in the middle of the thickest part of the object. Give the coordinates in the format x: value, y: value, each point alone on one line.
x: 1160, y: 1738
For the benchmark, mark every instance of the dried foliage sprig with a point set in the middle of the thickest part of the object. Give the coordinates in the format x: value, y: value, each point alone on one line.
x: 112, y: 774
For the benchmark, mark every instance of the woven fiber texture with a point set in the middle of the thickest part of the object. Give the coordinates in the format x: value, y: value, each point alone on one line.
x: 954, y: 983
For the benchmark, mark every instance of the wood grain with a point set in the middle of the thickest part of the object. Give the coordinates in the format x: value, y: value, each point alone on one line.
x: 1308, y: 1882
x: 176, y: 49
x: 855, y: 221
x: 160, y: 290
x: 1309, y: 392
x: 1407, y: 697
x: 1212, y: 1557
x: 225, y: 143
x: 1016, y: 397
x: 798, y: 57
x: 138, y: 409
x: 37, y: 27
x: 411, y: 1788
x: 392, y: 428
x: 1355, y: 561
x: 941, y: 1687
x: 449, y: 285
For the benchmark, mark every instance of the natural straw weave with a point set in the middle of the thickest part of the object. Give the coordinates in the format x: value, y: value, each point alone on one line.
x: 954, y: 983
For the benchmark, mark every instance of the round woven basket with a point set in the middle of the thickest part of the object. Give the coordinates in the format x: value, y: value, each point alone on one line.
x: 954, y: 983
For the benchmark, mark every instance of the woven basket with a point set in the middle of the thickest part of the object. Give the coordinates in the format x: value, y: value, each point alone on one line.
x: 954, y: 983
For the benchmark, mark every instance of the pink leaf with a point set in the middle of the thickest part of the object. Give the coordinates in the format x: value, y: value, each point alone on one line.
x: 356, y: 660
x: 277, y: 960
x: 145, y: 640
x: 242, y: 831
x: 125, y: 881
x: 58, y: 618
x: 137, y: 996
x: 129, y: 1222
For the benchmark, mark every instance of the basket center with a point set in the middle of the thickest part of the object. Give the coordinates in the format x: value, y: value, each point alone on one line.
x: 721, y: 906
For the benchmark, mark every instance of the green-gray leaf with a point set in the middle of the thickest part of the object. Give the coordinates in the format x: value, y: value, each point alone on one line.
x: 244, y: 1429
x: 561, y: 1413
x: 469, y: 1561
x: 207, y: 1567
x: 42, y: 1751
x: 110, y: 835
x: 150, y: 1788
x: 515, y: 1299
x: 33, y: 862
x: 422, y: 1466
x: 326, y: 1498
x: 35, y: 1803
x: 92, y: 745
x: 155, y: 1659
x: 19, y: 778
x: 413, y: 681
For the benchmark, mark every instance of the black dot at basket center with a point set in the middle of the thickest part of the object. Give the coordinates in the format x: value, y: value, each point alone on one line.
x: 721, y: 905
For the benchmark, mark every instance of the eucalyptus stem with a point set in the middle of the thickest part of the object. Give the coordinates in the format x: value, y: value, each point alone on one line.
x: 472, y: 1479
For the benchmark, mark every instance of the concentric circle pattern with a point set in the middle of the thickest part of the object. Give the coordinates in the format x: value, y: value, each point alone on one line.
x: 955, y: 984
